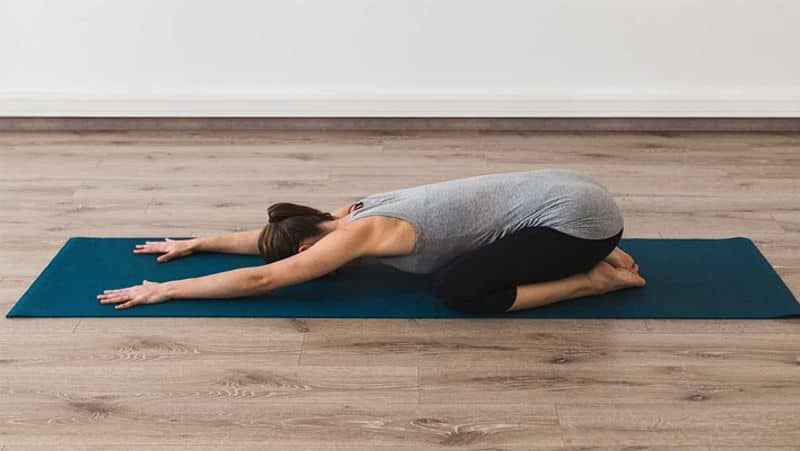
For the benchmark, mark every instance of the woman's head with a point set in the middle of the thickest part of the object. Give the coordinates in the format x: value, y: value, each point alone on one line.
x: 289, y: 224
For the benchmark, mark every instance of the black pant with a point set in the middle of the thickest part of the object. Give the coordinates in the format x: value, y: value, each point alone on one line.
x: 485, y: 280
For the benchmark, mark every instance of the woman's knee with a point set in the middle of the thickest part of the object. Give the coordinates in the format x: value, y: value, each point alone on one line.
x: 445, y: 288
x: 453, y: 298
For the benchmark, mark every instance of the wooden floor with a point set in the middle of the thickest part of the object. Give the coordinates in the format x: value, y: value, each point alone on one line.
x: 483, y: 384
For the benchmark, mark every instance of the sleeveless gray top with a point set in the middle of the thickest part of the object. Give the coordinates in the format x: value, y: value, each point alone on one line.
x: 455, y: 216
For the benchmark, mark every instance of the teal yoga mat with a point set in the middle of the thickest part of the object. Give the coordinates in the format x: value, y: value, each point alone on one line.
x: 686, y: 278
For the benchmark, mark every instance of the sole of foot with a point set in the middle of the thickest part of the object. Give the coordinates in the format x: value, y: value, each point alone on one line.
x: 604, y: 278
x: 621, y: 259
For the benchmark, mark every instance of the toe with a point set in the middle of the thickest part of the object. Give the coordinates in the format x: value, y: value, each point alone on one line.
x: 632, y: 279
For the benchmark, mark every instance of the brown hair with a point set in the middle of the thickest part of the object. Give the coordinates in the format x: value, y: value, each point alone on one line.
x: 289, y: 224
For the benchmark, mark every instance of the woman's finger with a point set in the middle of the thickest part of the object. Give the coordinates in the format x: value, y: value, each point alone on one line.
x: 165, y: 257
x: 149, y: 249
x: 111, y: 301
x: 114, y: 292
x: 114, y: 298
x: 130, y: 303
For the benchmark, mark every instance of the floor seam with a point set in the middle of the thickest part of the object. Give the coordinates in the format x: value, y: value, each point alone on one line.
x: 419, y: 385
x: 560, y: 426
x: 146, y: 207
x: 302, y: 347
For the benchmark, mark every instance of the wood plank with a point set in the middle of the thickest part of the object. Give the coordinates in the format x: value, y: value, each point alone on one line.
x: 200, y: 380
x: 673, y: 424
x: 285, y: 424
x: 533, y: 382
x: 578, y: 350
x: 115, y: 341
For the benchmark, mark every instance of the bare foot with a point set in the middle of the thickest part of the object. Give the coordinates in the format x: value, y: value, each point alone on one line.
x: 621, y: 259
x: 604, y: 278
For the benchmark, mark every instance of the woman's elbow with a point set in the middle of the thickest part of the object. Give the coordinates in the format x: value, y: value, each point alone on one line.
x: 260, y: 282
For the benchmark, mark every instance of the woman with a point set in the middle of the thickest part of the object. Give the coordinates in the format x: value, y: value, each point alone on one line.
x: 494, y: 243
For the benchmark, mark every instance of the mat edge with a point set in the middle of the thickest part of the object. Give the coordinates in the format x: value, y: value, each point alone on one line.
x: 47, y: 268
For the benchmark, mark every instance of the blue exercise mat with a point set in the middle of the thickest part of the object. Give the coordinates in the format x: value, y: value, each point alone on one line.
x: 686, y: 278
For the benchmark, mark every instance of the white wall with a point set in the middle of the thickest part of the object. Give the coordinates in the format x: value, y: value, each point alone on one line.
x: 400, y: 57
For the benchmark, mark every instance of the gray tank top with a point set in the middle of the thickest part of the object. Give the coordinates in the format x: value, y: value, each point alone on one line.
x: 455, y: 216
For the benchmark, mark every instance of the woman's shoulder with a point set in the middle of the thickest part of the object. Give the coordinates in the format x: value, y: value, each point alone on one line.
x: 389, y: 235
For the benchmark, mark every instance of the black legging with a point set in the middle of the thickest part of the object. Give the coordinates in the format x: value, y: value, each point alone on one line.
x: 485, y: 280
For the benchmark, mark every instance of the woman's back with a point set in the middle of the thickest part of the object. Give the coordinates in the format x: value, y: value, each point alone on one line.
x: 455, y: 216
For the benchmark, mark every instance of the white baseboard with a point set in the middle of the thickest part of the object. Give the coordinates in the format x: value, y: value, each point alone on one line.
x: 661, y: 107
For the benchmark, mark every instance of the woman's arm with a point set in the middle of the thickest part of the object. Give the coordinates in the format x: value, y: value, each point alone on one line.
x: 234, y: 283
x: 244, y: 242
x: 227, y: 284
x: 332, y: 251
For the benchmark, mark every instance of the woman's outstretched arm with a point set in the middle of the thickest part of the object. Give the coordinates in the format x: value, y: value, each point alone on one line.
x: 332, y: 251
x: 245, y: 242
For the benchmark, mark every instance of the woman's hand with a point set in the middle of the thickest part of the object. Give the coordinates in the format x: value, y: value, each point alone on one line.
x: 171, y: 248
x: 146, y: 293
